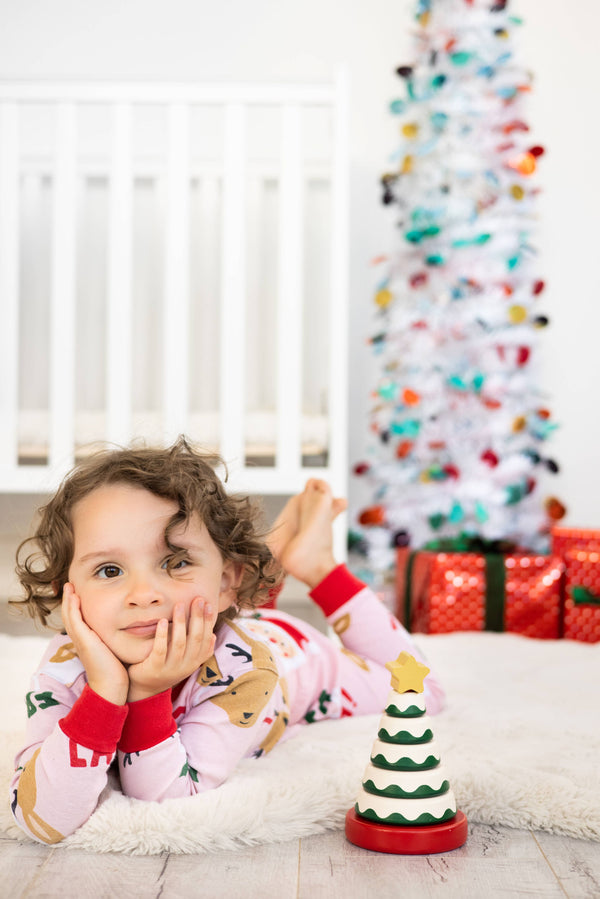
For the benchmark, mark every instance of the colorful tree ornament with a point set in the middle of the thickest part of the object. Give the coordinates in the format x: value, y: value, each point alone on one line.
x: 457, y: 420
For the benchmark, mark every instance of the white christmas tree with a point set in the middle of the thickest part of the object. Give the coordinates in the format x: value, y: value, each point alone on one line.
x: 458, y: 420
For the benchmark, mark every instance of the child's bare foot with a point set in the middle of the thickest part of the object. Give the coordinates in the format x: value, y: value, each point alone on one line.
x: 308, y: 555
x: 285, y: 527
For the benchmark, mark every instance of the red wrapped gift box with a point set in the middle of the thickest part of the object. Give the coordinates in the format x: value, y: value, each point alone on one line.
x: 580, y: 549
x: 440, y: 592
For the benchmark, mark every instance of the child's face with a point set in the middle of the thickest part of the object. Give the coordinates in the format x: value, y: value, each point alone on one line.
x: 119, y: 567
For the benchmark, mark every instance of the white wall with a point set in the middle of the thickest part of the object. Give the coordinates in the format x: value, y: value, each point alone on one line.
x: 560, y: 43
x: 267, y: 39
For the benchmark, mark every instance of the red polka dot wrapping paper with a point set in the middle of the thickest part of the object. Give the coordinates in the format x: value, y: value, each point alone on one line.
x: 580, y: 549
x: 448, y: 592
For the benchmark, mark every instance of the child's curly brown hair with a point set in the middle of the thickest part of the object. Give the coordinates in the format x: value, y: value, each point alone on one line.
x: 182, y: 474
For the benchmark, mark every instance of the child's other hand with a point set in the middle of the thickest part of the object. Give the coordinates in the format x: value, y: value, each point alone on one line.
x: 175, y: 657
x: 106, y: 675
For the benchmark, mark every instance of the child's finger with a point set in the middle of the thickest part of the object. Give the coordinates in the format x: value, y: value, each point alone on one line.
x: 202, y: 622
x: 197, y: 622
x: 161, y: 641
x: 70, y: 609
x: 66, y: 594
x: 178, y: 639
x: 210, y: 615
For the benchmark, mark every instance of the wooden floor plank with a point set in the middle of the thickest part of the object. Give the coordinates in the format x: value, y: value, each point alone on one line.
x: 576, y: 864
x: 511, y: 865
x: 77, y: 873
x: 32, y: 871
x: 491, y: 842
x: 21, y: 864
x: 494, y: 862
x: 254, y: 873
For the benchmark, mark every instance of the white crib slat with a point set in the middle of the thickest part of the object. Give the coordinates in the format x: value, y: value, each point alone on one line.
x: 9, y: 283
x: 62, y: 293
x: 207, y: 257
x: 233, y: 291
x: 119, y: 278
x: 257, y: 372
x: 339, y: 361
x: 176, y: 291
x: 338, y: 402
x: 290, y: 293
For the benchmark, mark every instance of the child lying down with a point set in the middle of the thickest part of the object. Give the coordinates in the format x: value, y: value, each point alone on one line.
x: 169, y: 669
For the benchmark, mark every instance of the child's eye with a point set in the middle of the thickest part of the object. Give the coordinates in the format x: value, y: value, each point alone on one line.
x: 176, y: 566
x: 107, y: 571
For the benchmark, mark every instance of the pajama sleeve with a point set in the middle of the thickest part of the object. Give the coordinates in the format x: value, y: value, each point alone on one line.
x: 367, y: 628
x: 160, y: 758
x: 61, y: 771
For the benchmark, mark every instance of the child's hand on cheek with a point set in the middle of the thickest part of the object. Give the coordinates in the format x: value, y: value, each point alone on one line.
x: 174, y: 658
x: 106, y: 675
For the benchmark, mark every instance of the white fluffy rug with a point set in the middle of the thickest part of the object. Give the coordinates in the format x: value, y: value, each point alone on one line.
x: 520, y: 739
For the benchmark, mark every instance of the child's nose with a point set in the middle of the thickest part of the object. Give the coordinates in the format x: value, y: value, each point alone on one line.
x: 143, y: 592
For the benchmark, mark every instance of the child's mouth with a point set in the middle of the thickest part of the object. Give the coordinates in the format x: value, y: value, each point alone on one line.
x: 142, y: 628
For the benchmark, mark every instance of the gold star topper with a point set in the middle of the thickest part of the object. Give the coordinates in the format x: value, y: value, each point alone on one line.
x: 407, y: 674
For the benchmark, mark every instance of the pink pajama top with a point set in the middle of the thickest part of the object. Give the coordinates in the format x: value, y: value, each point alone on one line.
x: 269, y: 674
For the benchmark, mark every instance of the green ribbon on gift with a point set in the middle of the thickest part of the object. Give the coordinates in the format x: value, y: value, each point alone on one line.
x: 469, y: 543
x: 408, y: 587
x: 582, y: 596
x: 495, y: 591
x: 493, y: 551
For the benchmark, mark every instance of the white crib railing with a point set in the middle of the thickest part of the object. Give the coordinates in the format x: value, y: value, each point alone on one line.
x: 273, y: 206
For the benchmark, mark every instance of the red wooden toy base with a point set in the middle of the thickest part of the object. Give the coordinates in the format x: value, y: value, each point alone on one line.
x: 406, y: 840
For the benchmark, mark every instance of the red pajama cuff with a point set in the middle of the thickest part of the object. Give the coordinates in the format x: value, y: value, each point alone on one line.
x: 149, y: 722
x: 272, y: 596
x: 335, y: 589
x: 94, y: 722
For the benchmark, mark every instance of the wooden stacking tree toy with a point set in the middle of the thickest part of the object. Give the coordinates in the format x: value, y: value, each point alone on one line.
x: 405, y: 804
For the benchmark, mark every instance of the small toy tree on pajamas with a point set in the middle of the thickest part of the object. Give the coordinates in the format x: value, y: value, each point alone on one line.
x: 458, y: 422
x: 405, y: 804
